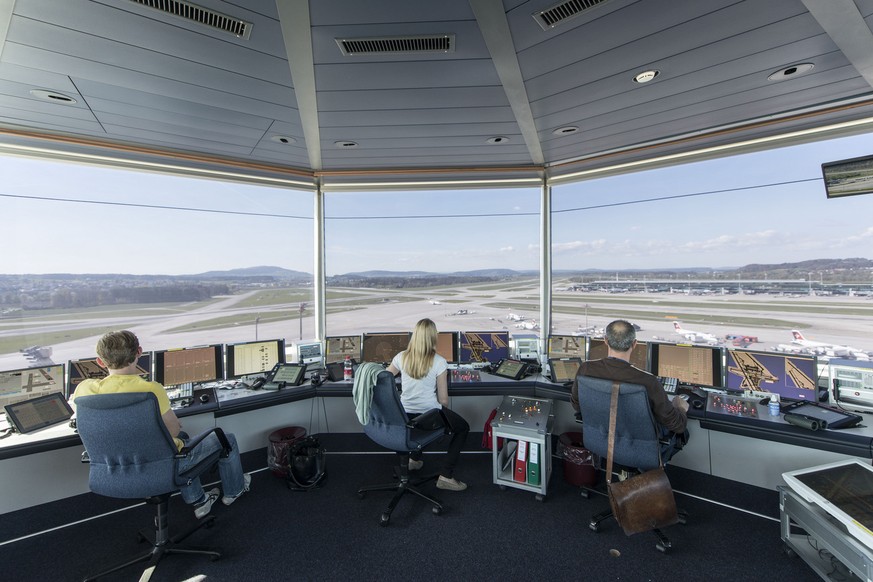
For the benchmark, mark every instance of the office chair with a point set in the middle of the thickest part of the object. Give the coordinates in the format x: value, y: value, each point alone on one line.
x: 132, y: 455
x: 390, y: 427
x: 638, y: 442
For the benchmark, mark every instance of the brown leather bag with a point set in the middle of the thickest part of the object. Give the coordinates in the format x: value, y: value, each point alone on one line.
x: 643, y: 502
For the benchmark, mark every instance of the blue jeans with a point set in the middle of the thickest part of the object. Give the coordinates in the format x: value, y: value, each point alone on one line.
x: 229, y: 468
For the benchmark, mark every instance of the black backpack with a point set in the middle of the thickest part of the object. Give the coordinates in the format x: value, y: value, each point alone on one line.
x: 306, y: 464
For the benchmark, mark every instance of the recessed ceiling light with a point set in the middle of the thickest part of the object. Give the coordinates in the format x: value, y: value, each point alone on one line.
x: 497, y: 139
x: 52, y: 96
x: 345, y: 145
x: 646, y: 76
x: 283, y: 139
x: 792, y: 71
x: 566, y: 130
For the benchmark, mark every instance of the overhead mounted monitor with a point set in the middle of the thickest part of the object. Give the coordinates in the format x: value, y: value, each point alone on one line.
x: 87, y: 369
x: 189, y: 365
x: 597, y: 349
x: 382, y: 347
x: 338, y: 347
x: 690, y: 364
x: 26, y: 383
x: 792, y: 377
x: 848, y: 177
x: 566, y: 346
x: 256, y: 357
x: 483, y: 346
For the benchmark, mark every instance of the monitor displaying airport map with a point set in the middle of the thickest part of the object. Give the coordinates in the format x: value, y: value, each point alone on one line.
x: 566, y: 346
x: 382, y: 347
x: 791, y: 376
x: 24, y: 384
x: 338, y: 347
x: 483, y: 347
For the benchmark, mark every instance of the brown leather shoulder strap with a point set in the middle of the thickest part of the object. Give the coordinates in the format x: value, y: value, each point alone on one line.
x: 613, y: 410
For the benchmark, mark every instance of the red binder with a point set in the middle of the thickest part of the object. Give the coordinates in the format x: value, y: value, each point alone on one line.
x: 520, y: 473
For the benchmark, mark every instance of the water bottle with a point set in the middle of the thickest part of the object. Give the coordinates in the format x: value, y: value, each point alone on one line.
x: 347, y: 369
x: 773, y: 405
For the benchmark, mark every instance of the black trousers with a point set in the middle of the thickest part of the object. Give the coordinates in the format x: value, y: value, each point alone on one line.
x: 460, y: 429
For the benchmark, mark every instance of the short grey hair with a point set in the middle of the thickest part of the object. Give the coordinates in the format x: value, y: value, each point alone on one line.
x: 620, y: 335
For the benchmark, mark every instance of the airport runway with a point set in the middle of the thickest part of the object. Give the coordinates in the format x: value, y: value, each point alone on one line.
x: 487, y: 309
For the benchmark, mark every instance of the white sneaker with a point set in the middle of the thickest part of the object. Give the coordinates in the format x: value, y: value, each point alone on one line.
x: 450, y: 484
x: 415, y: 465
x: 247, y: 480
x: 202, y: 509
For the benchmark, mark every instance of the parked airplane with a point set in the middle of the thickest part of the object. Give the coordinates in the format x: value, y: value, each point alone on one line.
x: 529, y: 324
x: 695, y: 336
x: 435, y: 302
x: 826, y: 349
x: 514, y: 317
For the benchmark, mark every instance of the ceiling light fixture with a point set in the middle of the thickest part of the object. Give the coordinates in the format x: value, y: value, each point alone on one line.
x: 345, y: 145
x: 792, y: 71
x: 496, y: 140
x: 566, y: 130
x: 646, y: 76
x: 283, y: 139
x: 52, y: 96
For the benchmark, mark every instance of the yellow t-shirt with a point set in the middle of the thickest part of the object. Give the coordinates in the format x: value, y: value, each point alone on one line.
x: 119, y: 384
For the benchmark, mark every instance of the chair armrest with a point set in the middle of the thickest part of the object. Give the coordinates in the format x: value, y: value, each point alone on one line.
x: 225, y: 444
x: 433, y: 419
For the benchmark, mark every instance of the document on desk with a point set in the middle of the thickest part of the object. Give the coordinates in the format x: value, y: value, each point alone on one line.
x: 520, y: 473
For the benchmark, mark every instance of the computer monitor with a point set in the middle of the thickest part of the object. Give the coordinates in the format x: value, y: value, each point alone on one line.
x: 447, y: 345
x: 338, y: 347
x: 26, y: 383
x: 564, y: 370
x: 597, y: 349
x: 848, y: 177
x: 566, y: 346
x: 310, y: 353
x: 791, y: 376
x: 690, y: 364
x: 483, y: 346
x: 87, y: 369
x: 247, y: 358
x: 382, y: 347
x: 189, y: 365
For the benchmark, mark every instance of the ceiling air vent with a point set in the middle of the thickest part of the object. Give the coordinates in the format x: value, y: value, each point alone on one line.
x: 397, y: 45
x: 200, y: 15
x: 564, y: 11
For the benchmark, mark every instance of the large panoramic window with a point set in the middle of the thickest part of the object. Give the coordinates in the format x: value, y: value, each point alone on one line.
x: 467, y: 259
x: 741, y: 252
x: 180, y: 261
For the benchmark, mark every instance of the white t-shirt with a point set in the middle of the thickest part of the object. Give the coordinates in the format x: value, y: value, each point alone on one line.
x: 419, y: 395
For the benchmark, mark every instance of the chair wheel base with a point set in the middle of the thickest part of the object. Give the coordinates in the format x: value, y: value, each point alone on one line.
x: 437, y: 510
x: 593, y: 526
x: 384, y: 519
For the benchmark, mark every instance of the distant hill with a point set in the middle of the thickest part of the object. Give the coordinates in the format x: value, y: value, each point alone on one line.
x: 262, y: 271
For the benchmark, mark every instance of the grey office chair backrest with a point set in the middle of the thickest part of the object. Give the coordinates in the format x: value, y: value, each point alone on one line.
x: 388, y: 420
x: 637, y: 439
x: 130, y: 449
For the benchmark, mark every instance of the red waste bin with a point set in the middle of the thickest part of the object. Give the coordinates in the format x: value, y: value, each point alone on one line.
x: 580, y: 464
x: 277, y: 452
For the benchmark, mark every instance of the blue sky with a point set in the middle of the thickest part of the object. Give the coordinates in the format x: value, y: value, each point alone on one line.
x: 267, y: 226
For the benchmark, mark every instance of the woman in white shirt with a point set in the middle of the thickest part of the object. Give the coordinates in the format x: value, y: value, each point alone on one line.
x: 425, y: 387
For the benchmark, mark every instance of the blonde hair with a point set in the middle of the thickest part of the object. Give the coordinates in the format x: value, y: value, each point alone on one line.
x: 118, y: 349
x: 418, y: 357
